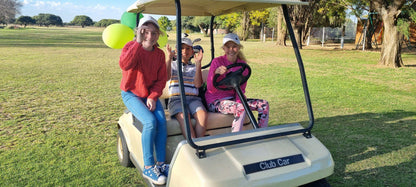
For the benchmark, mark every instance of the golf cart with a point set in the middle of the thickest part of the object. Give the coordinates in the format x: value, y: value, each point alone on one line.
x: 282, y: 155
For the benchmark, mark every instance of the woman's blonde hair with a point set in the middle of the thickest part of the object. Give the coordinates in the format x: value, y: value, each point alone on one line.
x: 241, y: 56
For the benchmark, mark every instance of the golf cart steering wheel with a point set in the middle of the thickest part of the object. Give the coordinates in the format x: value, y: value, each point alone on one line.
x: 234, y: 78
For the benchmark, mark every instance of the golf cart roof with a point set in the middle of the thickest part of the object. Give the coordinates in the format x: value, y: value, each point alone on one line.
x: 205, y: 7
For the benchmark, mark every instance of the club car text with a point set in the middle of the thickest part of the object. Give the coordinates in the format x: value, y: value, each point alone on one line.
x: 274, y: 163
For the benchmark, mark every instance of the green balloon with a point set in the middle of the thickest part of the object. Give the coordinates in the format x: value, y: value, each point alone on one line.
x: 163, y: 39
x: 117, y: 35
x: 129, y: 19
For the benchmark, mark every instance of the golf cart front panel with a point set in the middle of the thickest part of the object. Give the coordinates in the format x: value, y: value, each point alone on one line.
x: 288, y: 161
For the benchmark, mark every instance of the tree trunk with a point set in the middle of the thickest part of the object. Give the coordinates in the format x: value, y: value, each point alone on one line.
x: 391, y: 49
x: 369, y: 29
x: 202, y: 29
x: 281, y: 28
x: 298, y: 35
x: 245, y: 26
x: 368, y: 36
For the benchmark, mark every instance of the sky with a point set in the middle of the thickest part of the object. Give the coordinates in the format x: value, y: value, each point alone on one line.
x: 68, y: 9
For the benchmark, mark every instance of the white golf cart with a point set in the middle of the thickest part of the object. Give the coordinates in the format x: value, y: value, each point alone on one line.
x: 283, y: 155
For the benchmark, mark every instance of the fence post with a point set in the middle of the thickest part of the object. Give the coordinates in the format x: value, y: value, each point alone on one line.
x: 342, y: 36
x: 323, y: 36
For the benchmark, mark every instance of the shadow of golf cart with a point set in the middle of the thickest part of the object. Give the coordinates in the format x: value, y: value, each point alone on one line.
x: 283, y: 155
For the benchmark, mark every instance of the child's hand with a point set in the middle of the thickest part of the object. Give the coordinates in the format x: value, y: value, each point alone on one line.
x: 169, y: 51
x: 198, y: 57
x: 151, y: 104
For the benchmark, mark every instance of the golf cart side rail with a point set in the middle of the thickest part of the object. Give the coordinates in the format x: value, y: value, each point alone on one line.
x: 163, y: 7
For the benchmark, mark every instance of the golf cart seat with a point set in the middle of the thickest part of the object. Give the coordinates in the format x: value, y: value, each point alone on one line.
x: 216, y: 123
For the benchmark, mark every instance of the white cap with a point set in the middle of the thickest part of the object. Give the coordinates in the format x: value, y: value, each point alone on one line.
x: 187, y: 41
x: 231, y: 37
x: 146, y: 19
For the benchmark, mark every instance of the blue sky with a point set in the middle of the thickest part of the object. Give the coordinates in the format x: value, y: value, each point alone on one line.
x: 68, y: 9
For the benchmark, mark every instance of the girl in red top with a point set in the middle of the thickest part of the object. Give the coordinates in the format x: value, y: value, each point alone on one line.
x: 144, y: 77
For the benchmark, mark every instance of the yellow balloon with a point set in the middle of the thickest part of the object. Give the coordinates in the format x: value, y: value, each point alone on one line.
x: 163, y: 39
x: 117, y: 35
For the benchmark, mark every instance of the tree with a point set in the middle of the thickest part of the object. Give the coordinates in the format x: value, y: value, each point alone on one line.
x: 82, y: 20
x: 391, y: 48
x: 406, y: 18
x: 229, y: 21
x: 8, y: 10
x: 359, y: 8
x: 301, y: 16
x: 25, y: 20
x: 245, y: 25
x: 203, y: 23
x: 187, y: 23
x: 319, y: 13
x: 165, y: 23
x: 389, y: 12
x: 329, y: 14
x: 258, y: 18
x: 276, y: 20
x: 48, y: 19
x: 106, y: 22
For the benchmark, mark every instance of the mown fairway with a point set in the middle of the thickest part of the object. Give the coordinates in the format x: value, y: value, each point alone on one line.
x: 60, y: 102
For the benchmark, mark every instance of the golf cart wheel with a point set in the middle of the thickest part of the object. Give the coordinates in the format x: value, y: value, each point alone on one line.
x: 122, y: 150
x: 318, y: 183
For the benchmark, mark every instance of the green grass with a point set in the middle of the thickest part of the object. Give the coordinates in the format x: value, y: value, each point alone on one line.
x: 60, y: 102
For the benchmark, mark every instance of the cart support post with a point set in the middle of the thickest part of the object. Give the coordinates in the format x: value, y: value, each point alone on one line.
x: 211, y: 33
x: 301, y: 69
x: 211, y: 30
x: 246, y: 107
x: 200, y: 153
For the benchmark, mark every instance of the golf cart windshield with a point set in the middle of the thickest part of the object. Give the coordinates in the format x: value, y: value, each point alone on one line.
x: 214, y: 8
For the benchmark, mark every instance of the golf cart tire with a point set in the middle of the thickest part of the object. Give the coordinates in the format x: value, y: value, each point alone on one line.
x: 122, y: 150
x: 318, y: 183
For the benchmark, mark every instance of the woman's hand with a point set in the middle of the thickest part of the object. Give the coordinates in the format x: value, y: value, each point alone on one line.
x: 151, y: 104
x: 221, y: 70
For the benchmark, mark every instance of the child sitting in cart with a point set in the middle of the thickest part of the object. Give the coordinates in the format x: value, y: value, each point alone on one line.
x: 227, y: 102
x: 143, y: 79
x: 192, y: 81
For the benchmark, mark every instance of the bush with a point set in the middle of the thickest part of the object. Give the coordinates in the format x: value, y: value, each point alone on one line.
x: 106, y: 22
x: 12, y: 27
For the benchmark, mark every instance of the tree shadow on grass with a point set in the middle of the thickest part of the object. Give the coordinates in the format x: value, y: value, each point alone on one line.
x: 57, y: 44
x: 53, y: 39
x: 370, y: 149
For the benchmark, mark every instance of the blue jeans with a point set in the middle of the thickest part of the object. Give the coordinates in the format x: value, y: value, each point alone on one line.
x: 154, y: 126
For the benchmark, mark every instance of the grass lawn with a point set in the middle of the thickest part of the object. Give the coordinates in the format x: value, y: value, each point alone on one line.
x: 60, y: 102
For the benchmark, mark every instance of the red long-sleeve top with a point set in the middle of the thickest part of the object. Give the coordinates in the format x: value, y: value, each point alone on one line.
x: 144, y: 72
